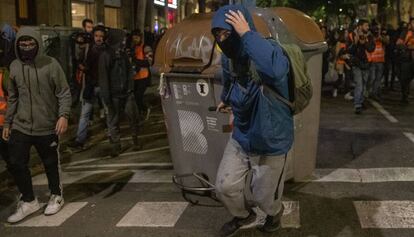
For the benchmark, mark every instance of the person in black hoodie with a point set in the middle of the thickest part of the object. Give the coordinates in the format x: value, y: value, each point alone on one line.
x: 361, y: 43
x: 90, y: 88
x: 116, y: 88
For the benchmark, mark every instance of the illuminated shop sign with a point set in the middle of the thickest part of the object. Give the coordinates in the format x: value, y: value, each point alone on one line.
x: 159, y: 2
x: 172, y: 4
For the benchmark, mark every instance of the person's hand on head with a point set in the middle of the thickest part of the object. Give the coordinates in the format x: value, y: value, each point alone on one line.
x: 239, y: 23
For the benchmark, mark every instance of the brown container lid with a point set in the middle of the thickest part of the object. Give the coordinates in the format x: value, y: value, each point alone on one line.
x: 190, y: 43
x: 300, y: 25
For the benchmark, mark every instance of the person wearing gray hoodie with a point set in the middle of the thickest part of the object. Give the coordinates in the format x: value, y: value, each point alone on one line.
x: 38, y: 108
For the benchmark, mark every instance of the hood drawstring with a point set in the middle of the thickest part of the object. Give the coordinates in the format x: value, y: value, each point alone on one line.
x: 37, y: 79
x: 24, y: 77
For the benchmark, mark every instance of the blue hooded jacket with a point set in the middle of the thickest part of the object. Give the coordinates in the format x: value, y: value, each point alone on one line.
x: 7, y: 54
x: 263, y: 125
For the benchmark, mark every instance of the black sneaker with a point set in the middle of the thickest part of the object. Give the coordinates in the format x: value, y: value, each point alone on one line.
x: 272, y: 223
x: 358, y: 110
x: 115, y: 150
x: 137, y: 145
x: 234, y: 225
x: 76, y: 146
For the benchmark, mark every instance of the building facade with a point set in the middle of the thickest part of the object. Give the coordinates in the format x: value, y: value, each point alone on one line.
x: 129, y: 14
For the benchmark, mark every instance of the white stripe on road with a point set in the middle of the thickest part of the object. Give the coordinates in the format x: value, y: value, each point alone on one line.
x: 153, y: 214
x: 107, y: 176
x: 384, y: 112
x: 123, y: 165
x: 121, y: 155
x: 142, y: 136
x: 290, y: 218
x: 371, y: 175
x: 67, y: 211
x: 409, y: 136
x: 385, y: 214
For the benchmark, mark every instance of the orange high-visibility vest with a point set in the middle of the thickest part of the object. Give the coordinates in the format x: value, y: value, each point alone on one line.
x: 341, y: 46
x: 143, y: 73
x: 378, y: 56
x: 3, y: 101
x: 408, y: 40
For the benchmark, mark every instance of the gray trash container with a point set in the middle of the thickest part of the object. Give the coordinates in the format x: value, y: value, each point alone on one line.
x: 190, y: 69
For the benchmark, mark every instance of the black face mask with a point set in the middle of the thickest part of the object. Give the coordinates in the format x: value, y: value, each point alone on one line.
x: 230, y: 46
x: 28, y: 55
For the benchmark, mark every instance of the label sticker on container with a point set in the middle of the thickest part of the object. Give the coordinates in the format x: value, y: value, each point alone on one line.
x: 202, y: 87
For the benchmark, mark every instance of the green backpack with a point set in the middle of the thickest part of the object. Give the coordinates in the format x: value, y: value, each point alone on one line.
x: 300, y: 84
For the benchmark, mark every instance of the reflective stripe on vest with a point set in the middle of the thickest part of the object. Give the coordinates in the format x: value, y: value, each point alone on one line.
x: 3, y: 103
x: 378, y: 56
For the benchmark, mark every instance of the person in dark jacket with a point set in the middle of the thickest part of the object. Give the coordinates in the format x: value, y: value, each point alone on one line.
x: 7, y: 55
x: 405, y: 45
x: 263, y: 125
x: 116, y: 89
x: 90, y: 92
x: 38, y: 108
x: 142, y: 60
x: 361, y: 43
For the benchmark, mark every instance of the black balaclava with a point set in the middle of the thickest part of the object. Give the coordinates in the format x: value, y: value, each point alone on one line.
x: 231, y: 46
x: 27, y: 54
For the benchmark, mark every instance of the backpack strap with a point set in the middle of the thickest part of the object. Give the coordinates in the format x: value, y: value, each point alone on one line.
x: 256, y: 78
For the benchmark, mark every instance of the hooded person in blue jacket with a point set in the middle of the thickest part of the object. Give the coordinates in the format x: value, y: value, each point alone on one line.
x: 263, y: 125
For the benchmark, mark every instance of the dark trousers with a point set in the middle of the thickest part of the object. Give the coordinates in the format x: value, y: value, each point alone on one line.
x: 140, y: 86
x: 48, y: 149
x: 4, y: 151
x: 390, y: 66
x: 116, y: 109
x: 406, y: 76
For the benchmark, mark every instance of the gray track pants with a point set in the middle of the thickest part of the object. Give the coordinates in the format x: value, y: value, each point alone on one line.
x: 268, y: 176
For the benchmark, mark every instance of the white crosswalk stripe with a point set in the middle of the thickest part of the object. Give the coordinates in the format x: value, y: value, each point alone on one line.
x: 58, y: 219
x: 153, y: 214
x: 385, y: 214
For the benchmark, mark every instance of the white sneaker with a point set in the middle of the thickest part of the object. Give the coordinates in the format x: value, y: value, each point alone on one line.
x: 335, y: 93
x: 147, y: 115
x: 55, y: 204
x: 348, y: 96
x: 23, y: 210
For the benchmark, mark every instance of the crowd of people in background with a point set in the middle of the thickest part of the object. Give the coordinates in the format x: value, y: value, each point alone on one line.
x: 367, y: 59
x: 111, y: 69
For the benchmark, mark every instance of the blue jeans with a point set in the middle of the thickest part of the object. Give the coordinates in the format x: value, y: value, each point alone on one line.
x: 375, y: 73
x: 86, y: 111
x: 361, y: 79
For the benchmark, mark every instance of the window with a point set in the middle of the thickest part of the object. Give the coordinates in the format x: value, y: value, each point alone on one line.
x: 80, y: 11
x: 25, y: 12
x: 112, y: 17
x: 23, y: 9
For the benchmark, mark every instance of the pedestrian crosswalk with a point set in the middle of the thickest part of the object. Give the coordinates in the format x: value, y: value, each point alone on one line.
x: 371, y: 214
x: 375, y: 214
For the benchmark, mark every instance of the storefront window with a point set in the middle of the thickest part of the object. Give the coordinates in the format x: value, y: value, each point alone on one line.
x: 80, y: 11
x: 112, y: 17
